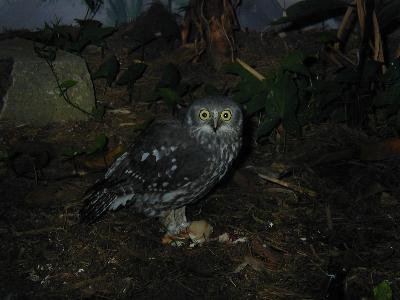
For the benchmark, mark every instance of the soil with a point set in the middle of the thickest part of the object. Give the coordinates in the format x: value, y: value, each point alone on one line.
x: 297, y: 218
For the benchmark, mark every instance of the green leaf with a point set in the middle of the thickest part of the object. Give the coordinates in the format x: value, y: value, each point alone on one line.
x: 248, y: 87
x: 256, y: 104
x: 170, y: 96
x: 67, y: 84
x: 383, y: 291
x: 266, y: 127
x: 237, y: 69
x: 100, y: 144
x: 170, y: 77
x: 282, y: 102
x: 108, y: 69
x: 133, y: 73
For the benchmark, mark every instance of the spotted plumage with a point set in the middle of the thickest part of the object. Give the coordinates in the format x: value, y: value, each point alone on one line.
x: 173, y: 163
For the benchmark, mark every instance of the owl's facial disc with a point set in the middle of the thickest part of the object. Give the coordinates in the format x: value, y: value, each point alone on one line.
x: 217, y: 115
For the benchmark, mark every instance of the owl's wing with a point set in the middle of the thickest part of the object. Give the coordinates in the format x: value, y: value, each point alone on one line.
x: 162, y: 159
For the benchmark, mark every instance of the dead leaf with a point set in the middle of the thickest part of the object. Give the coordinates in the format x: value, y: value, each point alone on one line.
x: 257, y: 264
x: 263, y: 250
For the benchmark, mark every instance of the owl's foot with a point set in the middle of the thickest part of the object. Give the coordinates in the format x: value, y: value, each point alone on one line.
x: 175, y: 221
x: 179, y: 229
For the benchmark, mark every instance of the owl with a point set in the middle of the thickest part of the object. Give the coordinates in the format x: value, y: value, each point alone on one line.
x: 172, y: 164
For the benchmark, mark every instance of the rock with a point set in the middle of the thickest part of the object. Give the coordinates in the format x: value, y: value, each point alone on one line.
x: 28, y: 89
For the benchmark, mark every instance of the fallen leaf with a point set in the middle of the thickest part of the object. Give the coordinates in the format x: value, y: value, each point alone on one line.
x: 257, y: 264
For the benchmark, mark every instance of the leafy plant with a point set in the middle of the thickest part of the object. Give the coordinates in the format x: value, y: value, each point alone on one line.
x: 299, y: 92
x: 49, y: 55
x: 356, y: 90
x: 72, y: 40
x: 100, y: 143
x: 383, y: 291
x: 278, y: 97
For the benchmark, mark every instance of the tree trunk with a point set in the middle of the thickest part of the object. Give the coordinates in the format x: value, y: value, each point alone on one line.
x: 210, y: 24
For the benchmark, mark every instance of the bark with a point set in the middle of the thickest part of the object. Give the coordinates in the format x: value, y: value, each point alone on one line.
x: 210, y: 25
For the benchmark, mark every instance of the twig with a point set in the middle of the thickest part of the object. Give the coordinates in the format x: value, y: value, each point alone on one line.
x: 251, y: 70
x: 289, y: 185
x: 378, y: 47
x: 345, y: 23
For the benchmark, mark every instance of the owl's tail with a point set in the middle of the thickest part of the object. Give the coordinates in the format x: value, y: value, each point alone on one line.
x: 97, y: 201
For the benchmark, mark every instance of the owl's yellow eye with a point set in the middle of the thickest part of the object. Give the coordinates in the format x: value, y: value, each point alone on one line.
x: 226, y: 115
x: 204, y: 114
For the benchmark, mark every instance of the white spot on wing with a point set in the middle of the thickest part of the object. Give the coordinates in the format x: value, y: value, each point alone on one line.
x: 174, y: 167
x: 156, y: 154
x: 120, y: 201
x: 144, y: 156
x: 173, y: 148
x: 171, y: 195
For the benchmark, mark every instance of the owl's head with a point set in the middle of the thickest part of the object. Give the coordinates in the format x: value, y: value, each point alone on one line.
x: 215, y: 115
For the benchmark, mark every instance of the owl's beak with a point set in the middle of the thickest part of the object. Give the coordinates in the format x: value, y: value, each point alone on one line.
x: 216, y: 124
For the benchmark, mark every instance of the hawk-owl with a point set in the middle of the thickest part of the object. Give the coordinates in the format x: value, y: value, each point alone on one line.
x: 172, y: 163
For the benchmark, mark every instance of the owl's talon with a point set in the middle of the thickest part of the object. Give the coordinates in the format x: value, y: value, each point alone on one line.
x: 175, y: 221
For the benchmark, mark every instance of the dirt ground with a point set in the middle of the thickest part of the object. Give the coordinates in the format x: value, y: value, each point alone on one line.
x: 326, y: 228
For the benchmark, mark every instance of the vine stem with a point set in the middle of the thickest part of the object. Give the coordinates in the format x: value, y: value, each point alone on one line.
x: 64, y: 92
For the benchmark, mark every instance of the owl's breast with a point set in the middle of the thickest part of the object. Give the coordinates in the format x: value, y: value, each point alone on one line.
x: 222, y: 156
